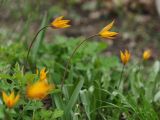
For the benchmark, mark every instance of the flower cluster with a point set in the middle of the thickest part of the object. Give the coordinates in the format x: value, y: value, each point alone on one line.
x: 38, y: 90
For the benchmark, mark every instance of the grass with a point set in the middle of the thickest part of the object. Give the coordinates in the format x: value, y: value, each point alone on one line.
x: 90, y: 89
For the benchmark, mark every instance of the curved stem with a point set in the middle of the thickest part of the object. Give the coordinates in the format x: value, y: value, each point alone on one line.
x: 121, y: 76
x: 69, y: 60
x: 34, y: 39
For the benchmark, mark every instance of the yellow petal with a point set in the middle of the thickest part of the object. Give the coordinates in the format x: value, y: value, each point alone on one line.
x: 11, y: 96
x: 59, y: 18
x: 43, y: 74
x: 108, y: 27
x: 16, y: 98
x: 65, y: 21
x: 122, y: 56
x: 5, y: 97
x: 108, y: 34
x: 38, y: 90
x: 66, y: 26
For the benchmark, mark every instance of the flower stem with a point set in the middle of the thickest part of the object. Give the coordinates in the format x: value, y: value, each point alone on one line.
x: 121, y: 76
x: 140, y: 65
x: 73, y: 53
x: 34, y: 110
x: 33, y: 114
x: 34, y: 39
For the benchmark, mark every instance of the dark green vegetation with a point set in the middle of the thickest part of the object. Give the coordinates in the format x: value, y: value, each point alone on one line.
x: 90, y: 86
x: 89, y: 91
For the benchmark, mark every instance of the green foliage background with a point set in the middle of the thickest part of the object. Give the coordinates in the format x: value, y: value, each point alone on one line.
x: 89, y: 91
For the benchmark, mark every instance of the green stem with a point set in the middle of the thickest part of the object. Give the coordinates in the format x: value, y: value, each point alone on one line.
x: 33, y: 116
x: 140, y: 65
x: 34, y: 39
x: 121, y: 76
x: 69, y: 60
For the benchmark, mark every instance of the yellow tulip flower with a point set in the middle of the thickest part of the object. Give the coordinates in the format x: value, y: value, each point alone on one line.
x: 105, y: 33
x: 39, y: 90
x: 10, y: 100
x: 125, y: 57
x: 60, y: 23
x: 147, y: 54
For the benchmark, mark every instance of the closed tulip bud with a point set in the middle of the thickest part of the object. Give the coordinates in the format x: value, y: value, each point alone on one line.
x: 147, y: 54
x: 43, y: 74
x: 125, y: 56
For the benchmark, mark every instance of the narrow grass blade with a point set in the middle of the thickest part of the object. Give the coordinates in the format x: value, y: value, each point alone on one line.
x: 73, y: 97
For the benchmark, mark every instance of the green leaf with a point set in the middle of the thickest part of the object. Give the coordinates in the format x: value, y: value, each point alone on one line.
x: 57, y: 113
x: 74, y: 97
x: 86, y: 102
x: 151, y: 84
x: 58, y: 101
x: 157, y: 96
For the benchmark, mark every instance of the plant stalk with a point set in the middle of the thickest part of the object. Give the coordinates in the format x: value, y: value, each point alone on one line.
x: 121, y: 76
x: 34, y: 39
x: 73, y: 53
